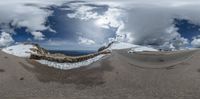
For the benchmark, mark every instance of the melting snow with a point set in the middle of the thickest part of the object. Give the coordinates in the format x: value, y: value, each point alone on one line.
x: 67, y: 66
x: 20, y: 50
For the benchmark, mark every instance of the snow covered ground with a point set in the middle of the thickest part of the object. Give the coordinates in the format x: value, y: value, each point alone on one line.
x: 121, y: 45
x: 134, y: 48
x: 67, y: 66
x: 141, y: 49
x: 20, y: 50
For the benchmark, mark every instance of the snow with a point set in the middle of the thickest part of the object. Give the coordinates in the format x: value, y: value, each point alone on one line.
x: 141, y: 49
x: 134, y: 48
x: 20, y: 50
x: 121, y: 45
x: 67, y: 66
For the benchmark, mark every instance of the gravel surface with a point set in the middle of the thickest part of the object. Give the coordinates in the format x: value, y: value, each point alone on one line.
x: 148, y: 75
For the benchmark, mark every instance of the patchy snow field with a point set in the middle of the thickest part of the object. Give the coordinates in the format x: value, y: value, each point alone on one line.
x: 20, y: 50
x: 67, y: 66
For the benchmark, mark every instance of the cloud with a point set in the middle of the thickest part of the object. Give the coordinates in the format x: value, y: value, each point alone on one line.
x: 104, y: 20
x: 196, y: 42
x: 86, y: 41
x: 5, y: 39
x: 38, y: 35
x: 153, y: 24
x: 83, y: 12
x: 53, y: 42
x: 145, y: 23
x: 110, y: 18
x: 25, y: 13
x: 136, y: 21
x: 60, y: 44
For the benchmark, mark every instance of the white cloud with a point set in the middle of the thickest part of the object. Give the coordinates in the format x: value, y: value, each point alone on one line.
x: 51, y: 42
x: 150, y: 22
x: 196, y: 42
x: 137, y: 21
x: 25, y: 13
x: 154, y: 23
x: 111, y: 18
x: 143, y: 22
x: 179, y: 43
x: 38, y: 35
x: 5, y: 39
x: 60, y: 44
x: 83, y: 12
x: 131, y: 3
x: 85, y: 41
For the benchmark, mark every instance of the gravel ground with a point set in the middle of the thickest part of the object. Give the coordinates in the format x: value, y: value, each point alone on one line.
x: 148, y: 75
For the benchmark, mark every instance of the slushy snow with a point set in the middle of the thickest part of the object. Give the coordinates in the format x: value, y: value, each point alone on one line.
x: 67, y: 66
x: 20, y: 50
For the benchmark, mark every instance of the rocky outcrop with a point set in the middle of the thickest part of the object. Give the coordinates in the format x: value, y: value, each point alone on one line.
x: 39, y: 50
x: 105, y: 47
x: 43, y: 54
x: 63, y: 59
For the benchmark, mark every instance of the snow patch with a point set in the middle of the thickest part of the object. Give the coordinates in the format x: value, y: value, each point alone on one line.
x: 134, y: 48
x: 141, y: 49
x: 67, y: 66
x: 20, y: 50
x: 121, y: 45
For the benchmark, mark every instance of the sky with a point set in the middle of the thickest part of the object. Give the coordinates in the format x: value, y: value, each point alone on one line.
x: 90, y: 24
